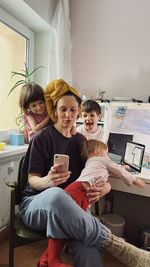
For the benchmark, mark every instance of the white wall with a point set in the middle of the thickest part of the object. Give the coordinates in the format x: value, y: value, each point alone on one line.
x: 43, y: 42
x: 43, y: 8
x: 26, y: 14
x: 111, y: 47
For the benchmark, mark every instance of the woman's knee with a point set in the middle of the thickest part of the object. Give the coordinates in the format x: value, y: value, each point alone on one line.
x: 54, y: 197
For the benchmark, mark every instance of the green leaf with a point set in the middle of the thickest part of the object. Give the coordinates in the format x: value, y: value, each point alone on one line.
x: 17, y: 73
x: 16, y: 85
x: 24, y: 74
x: 35, y: 70
x: 26, y: 70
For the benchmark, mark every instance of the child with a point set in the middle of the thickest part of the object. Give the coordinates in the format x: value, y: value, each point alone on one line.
x: 91, y: 114
x: 32, y: 103
x: 97, y: 168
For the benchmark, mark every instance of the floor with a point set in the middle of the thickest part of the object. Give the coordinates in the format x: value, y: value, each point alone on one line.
x: 27, y: 256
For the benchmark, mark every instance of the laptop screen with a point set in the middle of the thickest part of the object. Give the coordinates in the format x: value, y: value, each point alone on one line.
x: 117, y: 142
x: 133, y: 155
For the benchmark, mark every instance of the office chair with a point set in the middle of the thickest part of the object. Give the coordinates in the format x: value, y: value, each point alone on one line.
x: 20, y: 234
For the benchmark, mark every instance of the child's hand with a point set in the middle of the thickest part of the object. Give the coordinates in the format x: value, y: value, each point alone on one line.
x: 126, y: 167
x: 73, y: 130
x: 139, y: 183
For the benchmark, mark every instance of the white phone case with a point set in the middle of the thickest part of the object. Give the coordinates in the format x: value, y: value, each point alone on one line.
x: 62, y: 158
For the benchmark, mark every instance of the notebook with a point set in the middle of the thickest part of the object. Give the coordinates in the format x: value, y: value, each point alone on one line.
x: 133, y: 156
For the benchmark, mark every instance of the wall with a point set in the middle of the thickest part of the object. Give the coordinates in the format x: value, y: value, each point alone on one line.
x: 43, y: 8
x: 110, y: 47
x: 43, y: 42
x: 31, y: 19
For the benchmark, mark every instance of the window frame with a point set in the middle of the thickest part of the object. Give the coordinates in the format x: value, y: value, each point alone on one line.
x: 20, y: 28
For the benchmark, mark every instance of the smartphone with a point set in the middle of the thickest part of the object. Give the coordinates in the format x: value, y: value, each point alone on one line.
x: 62, y: 158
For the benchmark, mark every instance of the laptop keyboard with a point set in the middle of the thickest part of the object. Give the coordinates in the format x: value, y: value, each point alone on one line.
x: 133, y: 172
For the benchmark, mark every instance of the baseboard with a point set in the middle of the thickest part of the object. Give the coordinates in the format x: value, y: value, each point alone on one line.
x: 4, y: 234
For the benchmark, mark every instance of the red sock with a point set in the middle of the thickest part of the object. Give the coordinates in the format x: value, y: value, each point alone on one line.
x: 43, y: 261
x: 55, y: 247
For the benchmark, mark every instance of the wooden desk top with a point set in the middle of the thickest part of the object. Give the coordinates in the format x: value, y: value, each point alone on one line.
x: 118, y: 185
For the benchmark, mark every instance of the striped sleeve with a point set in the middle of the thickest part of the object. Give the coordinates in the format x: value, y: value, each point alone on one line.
x: 116, y: 170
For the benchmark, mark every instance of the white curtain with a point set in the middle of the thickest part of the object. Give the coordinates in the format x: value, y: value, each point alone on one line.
x: 59, y: 66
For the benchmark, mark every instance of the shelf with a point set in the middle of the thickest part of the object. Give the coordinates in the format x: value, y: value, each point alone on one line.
x: 12, y: 151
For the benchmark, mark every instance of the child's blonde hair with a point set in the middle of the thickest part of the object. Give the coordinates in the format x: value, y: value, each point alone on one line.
x: 90, y: 146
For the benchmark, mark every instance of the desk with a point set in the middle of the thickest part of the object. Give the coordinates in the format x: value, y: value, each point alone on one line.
x: 118, y: 185
x: 132, y: 203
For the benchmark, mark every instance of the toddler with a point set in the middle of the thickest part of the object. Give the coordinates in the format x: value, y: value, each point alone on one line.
x: 32, y: 103
x: 98, y: 167
x: 91, y: 114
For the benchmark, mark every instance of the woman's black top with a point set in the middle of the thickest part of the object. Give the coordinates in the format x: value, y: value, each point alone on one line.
x: 40, y: 154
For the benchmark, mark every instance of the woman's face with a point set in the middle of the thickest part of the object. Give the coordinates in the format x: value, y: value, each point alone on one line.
x: 67, y: 111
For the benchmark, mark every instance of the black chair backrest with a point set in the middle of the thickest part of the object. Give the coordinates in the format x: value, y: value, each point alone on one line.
x: 21, y: 181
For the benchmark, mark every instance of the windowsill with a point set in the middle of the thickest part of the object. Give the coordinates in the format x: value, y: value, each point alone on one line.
x: 11, y: 150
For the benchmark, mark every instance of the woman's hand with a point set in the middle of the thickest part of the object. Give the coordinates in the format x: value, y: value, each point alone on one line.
x: 53, y: 178
x: 98, y: 191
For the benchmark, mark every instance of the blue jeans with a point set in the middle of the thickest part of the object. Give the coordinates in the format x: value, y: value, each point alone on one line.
x: 55, y: 211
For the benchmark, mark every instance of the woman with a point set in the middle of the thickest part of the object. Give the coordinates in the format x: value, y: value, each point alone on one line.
x: 46, y: 206
x: 63, y: 106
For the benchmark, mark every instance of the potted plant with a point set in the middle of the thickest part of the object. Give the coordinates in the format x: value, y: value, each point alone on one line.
x: 26, y: 77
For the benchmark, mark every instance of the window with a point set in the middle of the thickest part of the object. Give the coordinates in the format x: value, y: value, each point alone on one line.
x: 16, y: 48
x: 12, y: 57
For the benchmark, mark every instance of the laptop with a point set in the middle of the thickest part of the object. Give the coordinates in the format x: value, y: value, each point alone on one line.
x: 133, y: 156
x: 117, y: 142
x: 116, y: 145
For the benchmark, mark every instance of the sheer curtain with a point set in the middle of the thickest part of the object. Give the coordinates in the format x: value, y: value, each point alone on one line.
x: 60, y: 49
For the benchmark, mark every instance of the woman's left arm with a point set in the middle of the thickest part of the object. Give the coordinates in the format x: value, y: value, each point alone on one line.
x: 94, y: 193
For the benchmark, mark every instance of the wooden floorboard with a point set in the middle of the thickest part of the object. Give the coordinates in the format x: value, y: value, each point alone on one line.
x: 28, y: 255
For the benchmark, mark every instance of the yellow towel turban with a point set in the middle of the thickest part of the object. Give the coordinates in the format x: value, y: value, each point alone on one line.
x: 53, y: 92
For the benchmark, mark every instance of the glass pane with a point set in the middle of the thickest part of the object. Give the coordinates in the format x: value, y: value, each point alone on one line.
x: 12, y: 58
